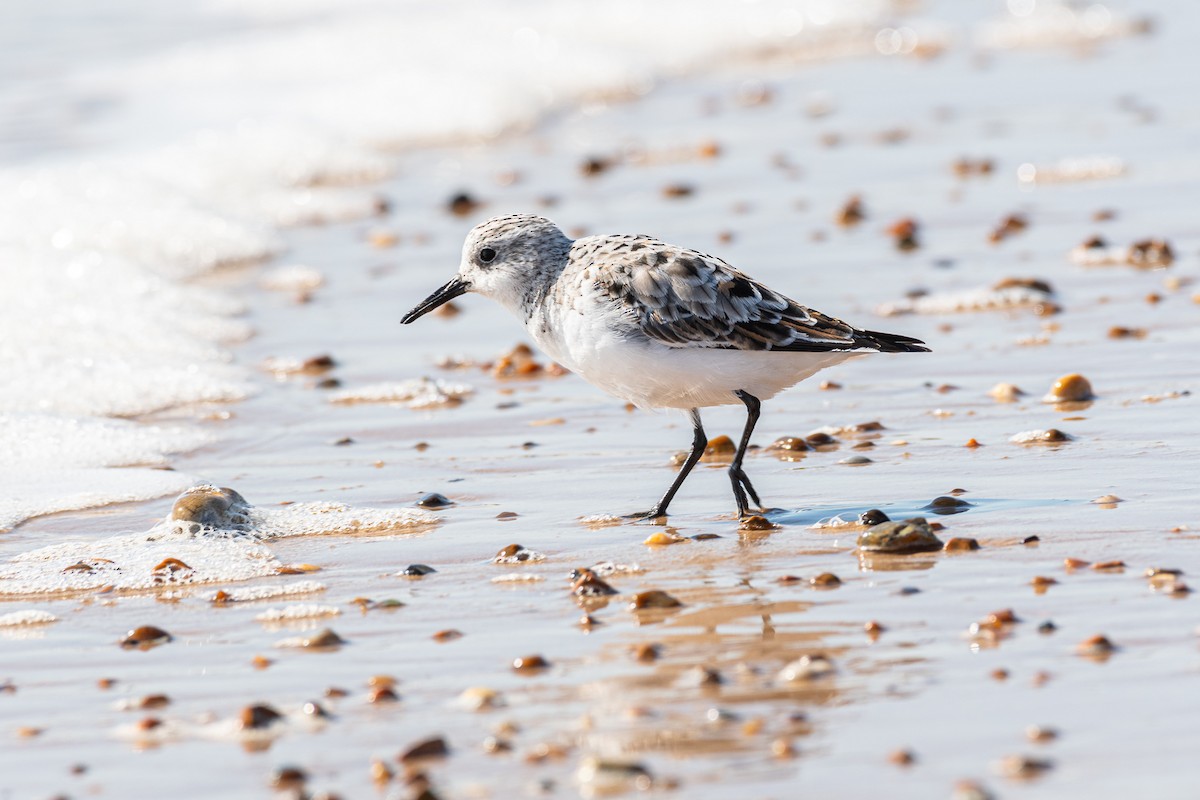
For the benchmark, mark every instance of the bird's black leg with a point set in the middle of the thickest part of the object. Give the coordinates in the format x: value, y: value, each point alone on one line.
x: 699, y: 442
x: 741, y: 483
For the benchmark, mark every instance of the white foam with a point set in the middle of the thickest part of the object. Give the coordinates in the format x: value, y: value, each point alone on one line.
x: 200, y: 555
x: 30, y: 616
x: 297, y: 612
x: 417, y: 393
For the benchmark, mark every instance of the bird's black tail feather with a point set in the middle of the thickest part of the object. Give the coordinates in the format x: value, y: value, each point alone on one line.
x: 890, y: 342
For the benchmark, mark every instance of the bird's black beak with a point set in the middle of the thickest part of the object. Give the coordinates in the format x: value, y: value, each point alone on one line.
x: 455, y: 288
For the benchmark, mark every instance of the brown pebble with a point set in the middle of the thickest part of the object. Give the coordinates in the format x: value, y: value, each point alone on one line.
x: 104, y: 684
x: 434, y: 747
x: 594, y: 165
x: 678, y: 190
x: 1109, y: 566
x: 646, y: 652
x: 904, y: 233
x: 851, y: 213
x: 382, y: 694
x: 783, y: 748
x: 506, y: 515
x: 1098, y: 647
x: 1072, y: 564
x: 653, y: 599
x: 145, y: 637
x: 1070, y: 389
x: 152, y: 701
x: 873, y: 629
x: 960, y: 544
x: 512, y: 552
x: 589, y: 584
x: 1041, y: 583
x: 720, y: 446
x: 1023, y: 767
x: 169, y: 566
x: 972, y: 443
x: 1000, y: 674
x: 336, y: 692
x: 325, y: 639
x: 380, y: 772
x: 462, y: 204
x: 902, y: 758
x: 1121, y: 332
x: 1040, y: 734
x: 530, y: 664
x: 826, y: 580
x: 29, y: 732
x: 792, y: 444
x: 147, y: 724
x: 829, y: 386
x: 447, y: 635
x: 289, y: 778
x: 1012, y: 224
x: 257, y: 717
x: 756, y: 522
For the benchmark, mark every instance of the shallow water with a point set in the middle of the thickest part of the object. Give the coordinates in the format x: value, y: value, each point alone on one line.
x: 925, y: 684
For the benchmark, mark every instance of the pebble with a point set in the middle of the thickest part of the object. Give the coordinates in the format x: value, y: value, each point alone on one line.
x: 851, y: 213
x: 664, y: 538
x: 971, y: 790
x: 1041, y: 734
x: 873, y: 629
x: 289, y: 779
x: 909, y: 536
x: 434, y: 747
x: 856, y: 461
x: 807, y: 668
x: 145, y: 637
x: 646, y: 653
x: 653, y: 599
x: 211, y: 507
x: 904, y: 234
x: 1097, y: 647
x: 1023, y: 767
x: 257, y: 717
x: 872, y: 517
x: 1006, y: 393
x: 480, y: 698
x: 1048, y: 436
x: 826, y: 580
x: 434, y: 500
x: 1069, y: 389
x: 530, y: 664
x: 902, y: 758
x: 417, y: 570
x: 757, y: 523
x: 588, y: 584
x: 462, y: 205
x: 947, y: 505
x: 325, y: 639
x: 960, y: 544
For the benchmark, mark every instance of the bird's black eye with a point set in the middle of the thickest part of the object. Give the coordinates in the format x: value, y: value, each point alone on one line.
x: 487, y: 255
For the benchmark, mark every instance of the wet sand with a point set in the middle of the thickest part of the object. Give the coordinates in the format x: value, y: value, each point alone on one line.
x: 711, y: 716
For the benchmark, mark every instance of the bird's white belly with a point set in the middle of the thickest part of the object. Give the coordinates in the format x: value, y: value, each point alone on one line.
x: 653, y: 375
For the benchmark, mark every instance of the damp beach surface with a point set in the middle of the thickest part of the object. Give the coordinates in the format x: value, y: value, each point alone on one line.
x: 421, y: 580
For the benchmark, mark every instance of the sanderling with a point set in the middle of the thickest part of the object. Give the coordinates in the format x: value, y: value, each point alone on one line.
x: 654, y: 324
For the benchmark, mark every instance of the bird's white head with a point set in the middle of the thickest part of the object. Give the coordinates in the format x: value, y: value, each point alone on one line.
x: 509, y: 259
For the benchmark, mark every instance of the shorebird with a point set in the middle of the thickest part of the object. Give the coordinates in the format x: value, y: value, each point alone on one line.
x: 657, y: 325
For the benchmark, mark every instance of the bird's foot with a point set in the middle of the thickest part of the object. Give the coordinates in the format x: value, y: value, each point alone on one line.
x: 653, y: 513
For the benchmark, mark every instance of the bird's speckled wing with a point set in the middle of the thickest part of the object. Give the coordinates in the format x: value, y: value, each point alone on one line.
x: 684, y: 298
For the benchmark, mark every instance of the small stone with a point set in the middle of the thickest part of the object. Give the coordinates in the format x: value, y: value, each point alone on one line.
x: 646, y: 653
x: 971, y: 790
x: 434, y: 500
x: 513, y: 553
x: 1041, y: 583
x: 872, y: 517
x: 720, y: 446
x: 480, y: 698
x: 462, y: 204
x: 435, y: 747
x: 382, y: 694
x: 1005, y: 393
x: 873, y: 629
x: 960, y: 544
x: 664, y: 538
x: 909, y: 536
x: 856, y: 461
x: 1097, y: 647
x: 447, y: 635
x: 820, y: 439
x: 588, y: 584
x: 145, y: 637
x: 530, y: 664
x: 947, y: 505
x: 789, y: 444
x: 1109, y: 566
x: 1048, y: 436
x: 653, y: 599
x: 1069, y: 389
x: 678, y: 190
x: 211, y: 507
x: 289, y: 778
x: 807, y: 668
x: 902, y: 758
x: 1107, y: 500
x: 1023, y: 767
x: 1072, y: 564
x: 1031, y: 540
x: 1041, y: 734
x: 257, y: 717
x: 826, y: 580
x: 851, y: 213
x: 756, y: 522
x: 1046, y: 628
x: 324, y: 639
x: 417, y: 570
